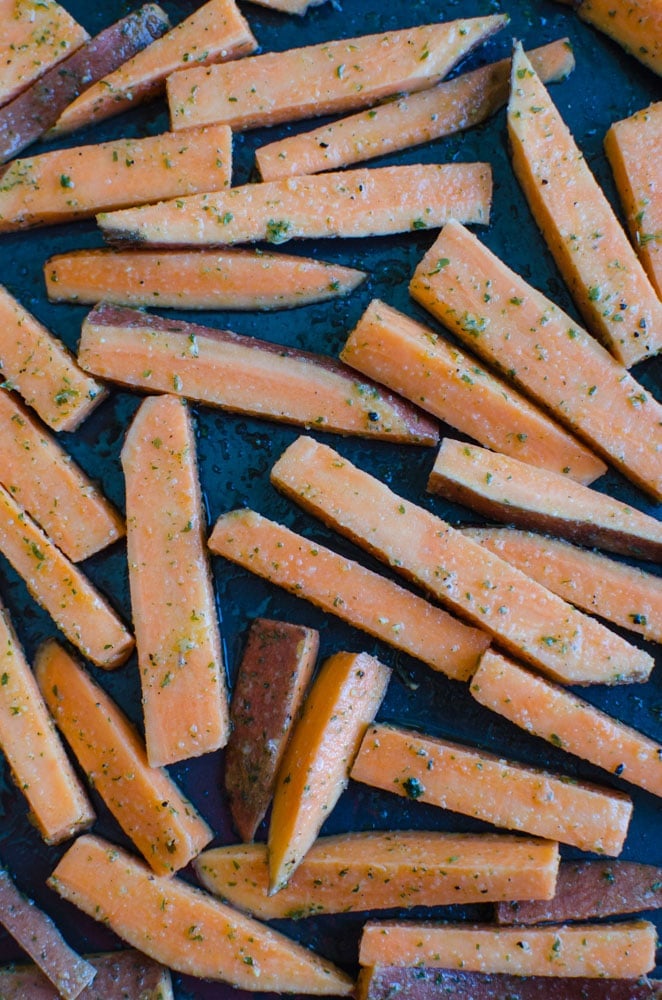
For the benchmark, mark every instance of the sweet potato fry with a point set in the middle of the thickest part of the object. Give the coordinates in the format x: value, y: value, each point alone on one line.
x: 39, y: 765
x: 505, y: 489
x: 274, y: 673
x: 145, y: 801
x: 347, y: 589
x: 613, y: 590
x: 39, y: 937
x: 544, y: 709
x: 327, y: 78
x: 245, y: 375
x: 588, y: 890
x: 632, y: 148
x: 42, y: 371
x: 595, y: 951
x: 43, y: 479
x: 289, y: 6
x: 371, y: 871
x: 607, y: 282
x: 538, y: 346
x: 61, y: 589
x: 635, y: 24
x: 430, y: 371
x: 525, y: 618
x: 120, y: 975
x: 195, y: 279
x: 214, y: 32
x: 448, y: 107
x: 33, y: 112
x: 76, y: 183
x: 361, y: 202
x: 186, y: 929
x: 475, y: 783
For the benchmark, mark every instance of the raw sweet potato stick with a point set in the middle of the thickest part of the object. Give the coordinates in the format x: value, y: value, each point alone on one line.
x: 636, y: 25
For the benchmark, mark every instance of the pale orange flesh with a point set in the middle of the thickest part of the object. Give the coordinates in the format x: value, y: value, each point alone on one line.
x: 327, y: 78
x: 38, y: 762
x: 315, y: 769
x: 594, y: 951
x: 448, y: 107
x: 607, y: 282
x: 525, y: 618
x: 186, y: 929
x: 422, y: 366
x: 635, y: 24
x: 174, y: 611
x: 145, y: 801
x: 475, y: 783
x: 79, y: 182
x: 215, y: 32
x: 534, y: 343
x: 543, y: 709
x: 347, y: 589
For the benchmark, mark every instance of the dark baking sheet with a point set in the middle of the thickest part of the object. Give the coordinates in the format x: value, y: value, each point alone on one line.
x: 236, y: 453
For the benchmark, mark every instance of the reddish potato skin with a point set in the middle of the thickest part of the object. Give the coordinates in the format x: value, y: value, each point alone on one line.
x: 34, y: 111
x: 274, y: 673
x: 120, y: 975
x: 586, y: 890
x: 406, y: 983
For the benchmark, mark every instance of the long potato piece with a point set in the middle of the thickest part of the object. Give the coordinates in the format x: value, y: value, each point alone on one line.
x: 596, y: 951
x: 327, y: 78
x: 184, y: 928
x: 34, y: 38
x: 546, y: 710
x: 120, y: 975
x: 40, y: 767
x: 369, y: 871
x: 504, y: 489
x: 174, y: 611
x: 613, y: 590
x: 605, y: 277
x: 632, y: 147
x: 245, y: 375
x: 42, y: 371
x: 45, y: 480
x: 195, y: 279
x: 61, y: 589
x: 77, y: 183
x: 538, y: 346
x: 635, y: 24
x: 524, y: 617
x: 214, y: 32
x: 144, y: 800
x: 430, y: 371
x: 314, y: 771
x: 449, y: 107
x: 479, y: 784
x: 361, y: 202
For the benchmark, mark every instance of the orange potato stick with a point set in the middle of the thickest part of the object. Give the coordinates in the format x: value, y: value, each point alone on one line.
x: 636, y: 25
x: 42, y: 371
x: 363, y: 202
x: 184, y: 928
x: 430, y: 371
x: 607, y: 282
x: 43, y: 479
x: 466, y: 780
x: 449, y: 107
x: 56, y: 584
x: 144, y: 800
x: 196, y: 279
x: 214, y: 32
x: 524, y: 617
x: 38, y: 762
x: 174, y: 611
x: 327, y: 78
x: 77, y: 183
x: 544, y: 352
x: 345, y: 588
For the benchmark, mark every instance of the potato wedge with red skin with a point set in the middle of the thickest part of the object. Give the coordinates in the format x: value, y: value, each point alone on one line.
x: 245, y: 375
x: 120, y: 975
x: 588, y: 890
x: 274, y: 673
